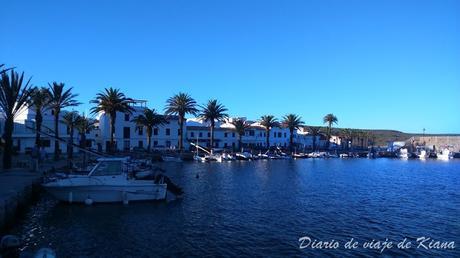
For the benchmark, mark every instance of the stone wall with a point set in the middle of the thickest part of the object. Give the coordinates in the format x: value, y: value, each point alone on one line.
x: 452, y: 142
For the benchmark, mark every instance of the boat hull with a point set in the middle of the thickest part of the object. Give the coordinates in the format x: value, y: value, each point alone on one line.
x: 108, y: 193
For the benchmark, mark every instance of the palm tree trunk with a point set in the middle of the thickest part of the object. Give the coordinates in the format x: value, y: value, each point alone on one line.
x: 328, y: 136
x: 149, y: 138
x: 8, y: 151
x: 212, y: 135
x: 112, y: 133
x: 291, y: 139
x: 240, y: 141
x: 56, y: 135
x: 38, y: 127
x: 268, y: 138
x: 181, y: 125
x: 83, y: 146
x: 70, y: 152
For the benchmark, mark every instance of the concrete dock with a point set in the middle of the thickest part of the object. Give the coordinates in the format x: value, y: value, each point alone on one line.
x: 17, y: 187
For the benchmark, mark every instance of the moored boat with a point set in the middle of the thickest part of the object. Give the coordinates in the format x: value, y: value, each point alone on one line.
x: 108, y: 181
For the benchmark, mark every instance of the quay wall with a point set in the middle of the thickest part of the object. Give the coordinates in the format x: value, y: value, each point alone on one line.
x: 17, y: 189
x: 440, y: 142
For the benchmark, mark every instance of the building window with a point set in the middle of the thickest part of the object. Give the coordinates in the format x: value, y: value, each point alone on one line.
x: 279, y: 135
x: 140, y: 144
x: 168, y: 131
x: 126, y: 117
x: 209, y: 134
x: 168, y: 144
x: 155, y: 143
x: 140, y: 130
x: 192, y: 134
x: 233, y: 135
x: 155, y: 131
x: 225, y: 135
x: 274, y: 134
x: 201, y: 134
x: 225, y: 145
x: 284, y: 135
x: 251, y: 133
x: 126, y: 133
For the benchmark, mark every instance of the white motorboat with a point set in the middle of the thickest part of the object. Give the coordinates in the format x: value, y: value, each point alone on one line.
x: 445, y: 154
x: 423, y: 154
x: 403, y: 153
x: 108, y: 181
x: 243, y: 156
x: 199, y: 158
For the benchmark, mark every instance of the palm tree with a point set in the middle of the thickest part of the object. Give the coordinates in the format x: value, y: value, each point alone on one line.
x: 110, y: 101
x: 348, y: 134
x: 149, y: 119
x: 4, y: 70
x: 293, y: 122
x: 180, y: 105
x: 268, y: 121
x: 329, y: 119
x: 59, y: 99
x: 213, y: 112
x: 84, y: 125
x: 314, y: 131
x: 240, y: 128
x: 38, y: 101
x: 14, y: 95
x: 71, y: 120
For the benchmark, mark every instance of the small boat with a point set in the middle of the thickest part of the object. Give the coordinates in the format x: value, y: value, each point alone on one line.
x: 422, y: 155
x: 299, y: 156
x: 403, y: 153
x: 345, y: 155
x: 199, y: 158
x: 243, y: 156
x: 108, y: 181
x: 445, y: 154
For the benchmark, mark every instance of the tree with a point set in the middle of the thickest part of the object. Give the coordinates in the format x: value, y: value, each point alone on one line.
x: 329, y: 119
x: 314, y: 131
x: 110, y: 101
x: 240, y: 128
x: 84, y: 126
x: 268, y: 122
x: 292, y: 122
x: 180, y: 105
x: 213, y: 112
x: 39, y: 102
x: 348, y: 134
x: 60, y: 98
x: 14, y: 94
x: 70, y: 119
x: 149, y: 119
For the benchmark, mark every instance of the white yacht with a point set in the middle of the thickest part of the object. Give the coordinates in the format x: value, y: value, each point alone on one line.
x: 445, y: 154
x: 108, y: 181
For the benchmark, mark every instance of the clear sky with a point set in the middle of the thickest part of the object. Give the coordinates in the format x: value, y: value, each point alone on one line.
x: 374, y: 64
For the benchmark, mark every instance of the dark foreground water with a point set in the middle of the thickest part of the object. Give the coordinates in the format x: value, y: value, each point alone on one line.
x: 262, y: 208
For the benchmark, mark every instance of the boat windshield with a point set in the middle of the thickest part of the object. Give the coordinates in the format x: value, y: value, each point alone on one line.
x: 108, y: 168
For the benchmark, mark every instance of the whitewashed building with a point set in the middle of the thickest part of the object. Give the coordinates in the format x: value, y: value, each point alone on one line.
x: 129, y: 136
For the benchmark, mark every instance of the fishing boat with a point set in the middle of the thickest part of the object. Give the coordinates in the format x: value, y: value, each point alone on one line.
x: 108, y: 181
x: 171, y: 158
x: 243, y: 156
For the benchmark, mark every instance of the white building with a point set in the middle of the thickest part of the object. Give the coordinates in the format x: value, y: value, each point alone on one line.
x: 24, y: 131
x: 128, y: 135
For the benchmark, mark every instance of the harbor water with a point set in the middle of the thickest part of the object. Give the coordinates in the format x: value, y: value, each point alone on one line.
x: 262, y: 208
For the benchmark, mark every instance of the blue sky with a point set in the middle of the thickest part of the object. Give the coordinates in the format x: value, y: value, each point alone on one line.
x: 374, y: 64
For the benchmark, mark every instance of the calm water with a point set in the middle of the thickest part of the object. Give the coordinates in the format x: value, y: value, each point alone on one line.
x: 262, y: 208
